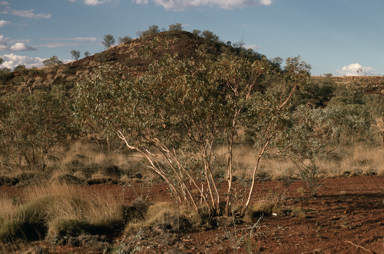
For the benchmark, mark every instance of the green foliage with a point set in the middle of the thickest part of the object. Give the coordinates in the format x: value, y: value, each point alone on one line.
x: 5, y: 74
x: 54, y: 60
x: 125, y: 39
x: 108, y: 40
x: 374, y: 105
x: 176, y: 27
x: 86, y: 54
x: 196, y: 33
x: 210, y: 36
x: 19, y: 68
x: 313, y: 130
x: 103, y: 56
x: 33, y: 125
x: 182, y: 107
x: 152, y: 30
x: 75, y: 54
x: 1, y: 60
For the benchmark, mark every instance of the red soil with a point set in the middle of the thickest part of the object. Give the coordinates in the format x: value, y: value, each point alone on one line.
x: 346, y: 216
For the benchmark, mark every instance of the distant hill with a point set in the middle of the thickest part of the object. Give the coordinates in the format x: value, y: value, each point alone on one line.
x: 125, y: 56
x: 128, y: 58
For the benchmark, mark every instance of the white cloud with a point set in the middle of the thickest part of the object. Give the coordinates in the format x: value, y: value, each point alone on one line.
x: 70, y: 39
x: 21, y: 47
x: 4, y: 23
x: 3, y: 41
x: 356, y: 70
x: 97, y: 2
x: 253, y: 47
x: 12, y: 60
x: 58, y: 44
x: 4, y: 8
x: 180, y: 5
x: 84, y: 39
x: 14, y: 41
x: 30, y: 14
x: 18, y: 46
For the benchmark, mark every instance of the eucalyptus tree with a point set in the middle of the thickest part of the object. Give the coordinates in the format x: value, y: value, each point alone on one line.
x: 52, y: 61
x: 176, y: 112
x: 75, y: 54
x: 176, y: 27
x: 108, y: 40
x: 125, y: 39
x: 33, y: 126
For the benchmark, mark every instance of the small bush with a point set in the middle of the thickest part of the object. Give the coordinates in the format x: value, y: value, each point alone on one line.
x: 61, y: 228
x: 65, y: 179
x: 27, y: 223
x: 260, y: 209
x: 6, y: 181
x: 103, y: 56
x: 129, y: 62
x: 112, y: 171
x: 136, y: 212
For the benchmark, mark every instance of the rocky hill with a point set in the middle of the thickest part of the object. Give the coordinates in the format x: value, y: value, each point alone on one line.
x: 128, y: 57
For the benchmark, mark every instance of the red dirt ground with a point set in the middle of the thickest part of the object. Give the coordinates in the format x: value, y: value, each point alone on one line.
x: 346, y: 216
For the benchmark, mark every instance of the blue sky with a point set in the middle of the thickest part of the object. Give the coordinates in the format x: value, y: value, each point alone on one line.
x: 333, y: 36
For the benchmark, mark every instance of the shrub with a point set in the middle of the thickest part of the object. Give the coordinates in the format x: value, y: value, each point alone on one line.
x: 176, y: 27
x: 108, y: 40
x: 103, y: 56
x: 75, y: 54
x: 54, y: 60
x: 125, y: 39
x: 152, y: 30
x: 33, y: 125
x: 180, y: 108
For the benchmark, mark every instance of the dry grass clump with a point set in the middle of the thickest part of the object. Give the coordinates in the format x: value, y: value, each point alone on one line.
x: 59, y: 211
x: 167, y: 216
x: 358, y: 159
x: 83, y: 161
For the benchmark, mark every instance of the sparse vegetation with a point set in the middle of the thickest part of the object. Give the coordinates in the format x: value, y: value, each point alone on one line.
x: 152, y: 30
x: 233, y: 135
x: 75, y: 54
x: 54, y: 60
x: 103, y: 56
x: 176, y: 27
x: 108, y: 41
x: 125, y: 39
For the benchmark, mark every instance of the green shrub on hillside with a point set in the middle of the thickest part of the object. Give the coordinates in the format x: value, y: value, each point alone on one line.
x: 33, y: 125
x: 103, y: 56
x: 54, y: 60
x: 180, y: 108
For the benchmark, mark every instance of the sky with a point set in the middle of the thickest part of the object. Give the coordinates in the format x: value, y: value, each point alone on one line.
x: 342, y: 37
